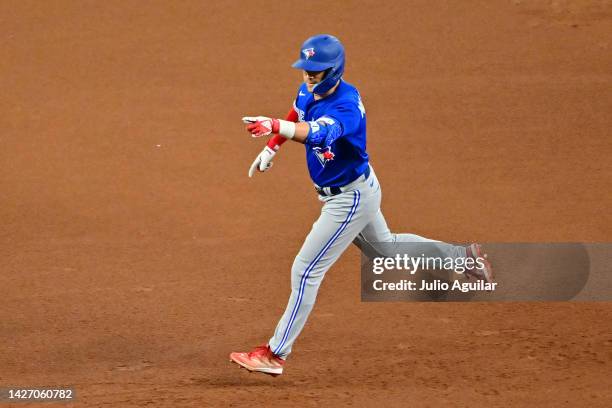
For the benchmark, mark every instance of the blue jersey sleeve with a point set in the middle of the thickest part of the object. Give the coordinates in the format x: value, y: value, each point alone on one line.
x: 339, y: 121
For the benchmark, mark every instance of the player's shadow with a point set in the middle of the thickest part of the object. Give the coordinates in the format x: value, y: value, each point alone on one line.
x: 242, y: 378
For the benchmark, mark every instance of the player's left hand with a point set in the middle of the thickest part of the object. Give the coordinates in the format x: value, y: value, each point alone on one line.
x: 263, y: 161
x: 261, y: 125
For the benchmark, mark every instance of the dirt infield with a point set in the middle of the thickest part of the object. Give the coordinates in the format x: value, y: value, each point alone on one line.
x: 136, y: 254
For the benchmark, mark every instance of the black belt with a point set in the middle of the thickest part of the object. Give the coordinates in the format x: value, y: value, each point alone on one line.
x: 337, y: 190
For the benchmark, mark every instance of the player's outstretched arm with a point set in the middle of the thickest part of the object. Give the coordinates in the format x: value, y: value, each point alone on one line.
x: 263, y: 126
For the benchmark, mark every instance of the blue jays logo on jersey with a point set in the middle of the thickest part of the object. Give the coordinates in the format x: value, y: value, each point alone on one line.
x: 324, y: 154
x: 308, y: 52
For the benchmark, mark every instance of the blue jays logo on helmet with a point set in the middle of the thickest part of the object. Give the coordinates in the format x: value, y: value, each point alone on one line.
x: 308, y: 52
x: 323, y: 52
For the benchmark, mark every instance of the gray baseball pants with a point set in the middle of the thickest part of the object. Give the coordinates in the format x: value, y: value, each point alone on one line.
x: 352, y: 216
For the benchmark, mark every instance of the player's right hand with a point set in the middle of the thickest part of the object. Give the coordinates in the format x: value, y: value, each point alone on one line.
x: 263, y: 161
x: 259, y: 126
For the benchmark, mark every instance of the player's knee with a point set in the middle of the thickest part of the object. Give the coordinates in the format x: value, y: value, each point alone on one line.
x: 306, y: 276
x: 298, y: 266
x: 298, y: 270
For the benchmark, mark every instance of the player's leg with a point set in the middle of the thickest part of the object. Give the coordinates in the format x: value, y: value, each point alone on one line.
x: 342, y: 218
x: 377, y: 240
x: 377, y: 232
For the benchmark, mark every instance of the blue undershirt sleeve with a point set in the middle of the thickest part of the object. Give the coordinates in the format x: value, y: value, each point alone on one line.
x: 323, y: 134
x: 339, y: 121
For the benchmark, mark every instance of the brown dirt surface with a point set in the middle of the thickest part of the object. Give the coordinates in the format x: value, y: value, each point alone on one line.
x: 136, y: 254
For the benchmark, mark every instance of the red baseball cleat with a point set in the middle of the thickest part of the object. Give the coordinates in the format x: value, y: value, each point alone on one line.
x: 261, y: 359
x: 485, y: 273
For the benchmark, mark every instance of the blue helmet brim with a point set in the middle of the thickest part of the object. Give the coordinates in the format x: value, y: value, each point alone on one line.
x: 308, y: 65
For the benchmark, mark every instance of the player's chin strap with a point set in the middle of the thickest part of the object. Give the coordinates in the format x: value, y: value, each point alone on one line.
x: 331, y: 78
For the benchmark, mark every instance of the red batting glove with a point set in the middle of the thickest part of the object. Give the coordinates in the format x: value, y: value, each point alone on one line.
x: 261, y: 125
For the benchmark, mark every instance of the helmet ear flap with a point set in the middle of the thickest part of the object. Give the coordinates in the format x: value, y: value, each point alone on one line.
x: 327, y: 71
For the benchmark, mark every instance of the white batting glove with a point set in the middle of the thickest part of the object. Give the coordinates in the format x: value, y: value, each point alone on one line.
x: 263, y: 161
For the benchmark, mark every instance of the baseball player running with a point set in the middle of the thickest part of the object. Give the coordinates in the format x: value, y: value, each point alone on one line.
x: 329, y: 119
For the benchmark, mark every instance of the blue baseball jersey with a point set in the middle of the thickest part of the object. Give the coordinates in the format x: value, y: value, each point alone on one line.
x: 336, y: 144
